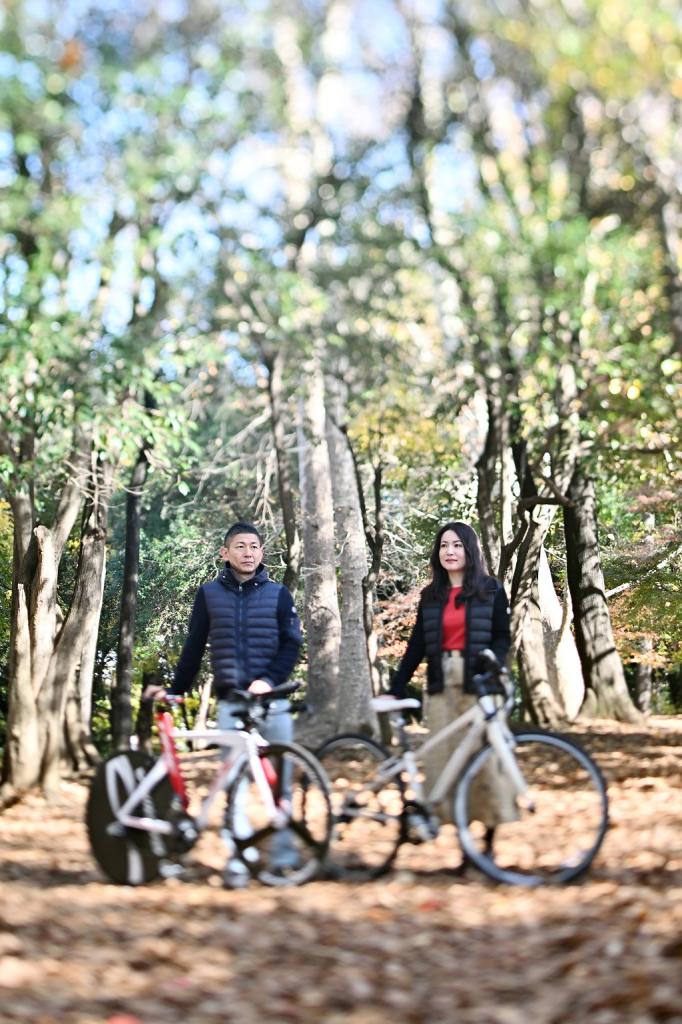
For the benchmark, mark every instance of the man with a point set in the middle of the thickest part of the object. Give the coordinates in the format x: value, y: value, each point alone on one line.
x: 254, y: 634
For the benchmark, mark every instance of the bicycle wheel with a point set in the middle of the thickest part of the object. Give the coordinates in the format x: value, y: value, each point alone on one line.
x: 561, y: 821
x: 368, y: 826
x: 127, y: 856
x: 294, y: 853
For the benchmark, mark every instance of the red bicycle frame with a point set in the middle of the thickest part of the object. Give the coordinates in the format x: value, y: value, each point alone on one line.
x: 164, y: 722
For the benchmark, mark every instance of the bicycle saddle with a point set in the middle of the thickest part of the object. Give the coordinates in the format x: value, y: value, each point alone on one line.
x: 388, y: 703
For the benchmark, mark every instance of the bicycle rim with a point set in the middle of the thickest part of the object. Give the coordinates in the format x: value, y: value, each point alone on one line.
x: 368, y: 826
x: 132, y: 857
x: 560, y: 823
x: 292, y: 854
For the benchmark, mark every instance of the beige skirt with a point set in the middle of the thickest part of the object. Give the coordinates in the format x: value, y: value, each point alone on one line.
x: 492, y: 800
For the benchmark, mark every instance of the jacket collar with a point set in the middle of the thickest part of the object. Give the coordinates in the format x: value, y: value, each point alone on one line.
x: 228, y: 578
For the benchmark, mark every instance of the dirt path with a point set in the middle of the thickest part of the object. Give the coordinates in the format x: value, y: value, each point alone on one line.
x: 419, y: 946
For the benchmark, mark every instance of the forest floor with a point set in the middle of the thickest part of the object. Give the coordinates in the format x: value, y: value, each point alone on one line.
x: 419, y: 946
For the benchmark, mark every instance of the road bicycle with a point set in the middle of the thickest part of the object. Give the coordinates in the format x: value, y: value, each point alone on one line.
x: 558, y: 795
x: 138, y: 812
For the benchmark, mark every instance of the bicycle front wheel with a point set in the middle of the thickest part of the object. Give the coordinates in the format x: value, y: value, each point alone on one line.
x: 290, y: 851
x: 368, y: 822
x: 560, y: 822
x: 127, y: 856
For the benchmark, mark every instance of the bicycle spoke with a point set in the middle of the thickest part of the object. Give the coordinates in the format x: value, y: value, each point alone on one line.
x: 368, y: 825
x: 294, y: 853
x: 550, y: 835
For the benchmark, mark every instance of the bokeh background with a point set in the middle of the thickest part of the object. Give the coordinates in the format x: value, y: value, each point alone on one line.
x: 461, y: 221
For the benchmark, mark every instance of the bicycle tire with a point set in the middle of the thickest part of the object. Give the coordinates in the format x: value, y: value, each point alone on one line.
x: 295, y: 853
x: 558, y: 833
x: 133, y: 856
x: 368, y: 827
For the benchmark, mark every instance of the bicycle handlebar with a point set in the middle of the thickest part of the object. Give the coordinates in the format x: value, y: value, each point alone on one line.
x: 494, y: 680
x: 283, y: 690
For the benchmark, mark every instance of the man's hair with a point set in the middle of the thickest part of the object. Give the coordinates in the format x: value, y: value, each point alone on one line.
x: 241, y: 528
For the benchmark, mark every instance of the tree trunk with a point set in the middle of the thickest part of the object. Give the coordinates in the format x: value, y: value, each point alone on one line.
x: 672, y: 247
x: 644, y: 678
x: 22, y: 748
x: 121, y: 714
x: 544, y: 707
x: 33, y: 629
x: 77, y: 721
x: 204, y: 704
x: 80, y: 751
x: 355, y: 683
x: 35, y: 616
x: 322, y: 619
x: 543, y: 506
x: 375, y: 540
x: 564, y: 671
x: 275, y: 365
x: 494, y: 495
x: 607, y: 694
x: 142, y: 738
x: 82, y: 618
x: 45, y: 654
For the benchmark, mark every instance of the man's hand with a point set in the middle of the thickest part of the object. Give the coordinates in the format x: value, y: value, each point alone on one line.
x: 154, y: 692
x: 260, y: 686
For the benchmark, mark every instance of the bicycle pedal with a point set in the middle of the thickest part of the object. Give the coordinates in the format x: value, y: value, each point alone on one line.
x: 171, y: 869
x: 236, y: 875
x: 420, y: 830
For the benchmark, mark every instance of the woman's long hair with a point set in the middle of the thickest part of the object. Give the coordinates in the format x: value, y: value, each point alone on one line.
x: 475, y: 570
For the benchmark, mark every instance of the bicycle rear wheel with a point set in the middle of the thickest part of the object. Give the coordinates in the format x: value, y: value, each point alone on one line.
x: 294, y: 853
x: 368, y: 826
x: 562, y: 820
x: 127, y: 856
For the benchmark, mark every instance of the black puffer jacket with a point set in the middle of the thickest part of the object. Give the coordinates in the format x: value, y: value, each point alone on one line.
x: 487, y: 625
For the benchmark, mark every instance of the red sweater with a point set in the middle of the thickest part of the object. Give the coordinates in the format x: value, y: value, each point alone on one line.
x: 454, y: 623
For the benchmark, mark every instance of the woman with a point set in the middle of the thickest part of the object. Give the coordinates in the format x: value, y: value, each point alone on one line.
x: 462, y: 611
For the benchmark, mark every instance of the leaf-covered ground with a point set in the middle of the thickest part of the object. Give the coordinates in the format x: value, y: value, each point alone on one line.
x: 420, y: 946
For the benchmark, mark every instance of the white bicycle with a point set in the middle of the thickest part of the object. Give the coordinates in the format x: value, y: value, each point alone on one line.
x: 378, y: 799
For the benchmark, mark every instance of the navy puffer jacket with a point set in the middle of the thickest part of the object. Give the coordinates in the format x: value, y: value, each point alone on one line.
x: 252, y: 629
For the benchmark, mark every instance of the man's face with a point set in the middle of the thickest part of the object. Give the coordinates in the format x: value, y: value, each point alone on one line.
x: 244, y: 552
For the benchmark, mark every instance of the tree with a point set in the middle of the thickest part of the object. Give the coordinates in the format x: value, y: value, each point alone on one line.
x: 602, y: 668
x: 121, y: 724
x: 355, y: 680
x: 70, y: 368
x: 322, y: 618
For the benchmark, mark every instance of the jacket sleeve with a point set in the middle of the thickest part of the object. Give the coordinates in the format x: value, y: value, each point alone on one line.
x: 194, y: 646
x: 290, y: 640
x: 412, y: 657
x: 501, y: 633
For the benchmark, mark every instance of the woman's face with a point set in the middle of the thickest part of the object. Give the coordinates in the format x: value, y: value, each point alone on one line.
x: 451, y: 552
